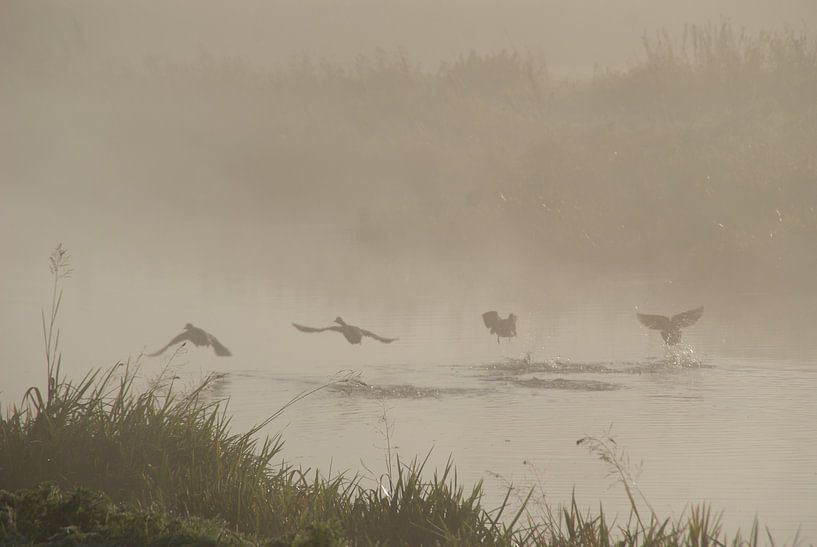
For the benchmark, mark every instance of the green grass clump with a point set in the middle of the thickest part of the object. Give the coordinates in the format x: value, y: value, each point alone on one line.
x: 46, y: 515
x: 177, y: 453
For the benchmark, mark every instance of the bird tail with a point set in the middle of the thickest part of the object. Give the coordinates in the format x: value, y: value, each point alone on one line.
x: 158, y: 352
x: 220, y: 349
x: 304, y: 328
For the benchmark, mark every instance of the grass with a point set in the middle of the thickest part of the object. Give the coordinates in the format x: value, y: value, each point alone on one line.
x: 47, y: 515
x: 98, y: 462
x: 159, y: 450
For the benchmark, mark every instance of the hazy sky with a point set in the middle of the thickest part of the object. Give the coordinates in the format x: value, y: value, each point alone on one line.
x: 571, y: 34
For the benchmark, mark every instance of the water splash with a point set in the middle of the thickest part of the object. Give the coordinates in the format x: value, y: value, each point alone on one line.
x: 675, y: 358
x: 682, y: 356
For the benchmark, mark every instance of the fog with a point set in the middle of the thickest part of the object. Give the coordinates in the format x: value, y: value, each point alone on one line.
x: 410, y: 165
x: 571, y: 34
x: 427, y: 138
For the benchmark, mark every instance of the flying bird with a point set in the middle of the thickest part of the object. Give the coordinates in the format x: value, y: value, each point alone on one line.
x: 671, y: 327
x: 198, y: 337
x: 505, y: 328
x: 352, y: 333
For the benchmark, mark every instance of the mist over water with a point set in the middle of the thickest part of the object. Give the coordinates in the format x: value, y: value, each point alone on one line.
x: 213, y: 173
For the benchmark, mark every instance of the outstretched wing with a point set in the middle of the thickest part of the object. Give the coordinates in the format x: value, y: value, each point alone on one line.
x: 304, y: 328
x: 183, y: 337
x: 490, y: 318
x: 220, y: 349
x: 370, y: 334
x: 657, y: 322
x: 687, y: 318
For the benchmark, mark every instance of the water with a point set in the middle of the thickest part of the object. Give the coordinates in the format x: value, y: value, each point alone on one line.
x: 730, y: 422
x: 735, y: 432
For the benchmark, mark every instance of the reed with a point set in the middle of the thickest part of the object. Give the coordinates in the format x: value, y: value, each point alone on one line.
x: 699, y: 152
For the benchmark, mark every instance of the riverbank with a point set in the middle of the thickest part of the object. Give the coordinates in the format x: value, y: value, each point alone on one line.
x: 88, y: 462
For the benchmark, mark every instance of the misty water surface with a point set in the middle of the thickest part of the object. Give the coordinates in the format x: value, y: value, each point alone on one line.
x: 734, y: 427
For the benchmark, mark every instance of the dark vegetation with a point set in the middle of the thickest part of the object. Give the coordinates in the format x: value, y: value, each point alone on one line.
x: 46, y: 515
x: 698, y: 161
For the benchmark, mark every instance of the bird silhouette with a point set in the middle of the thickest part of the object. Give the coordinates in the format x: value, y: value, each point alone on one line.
x: 198, y: 337
x: 505, y: 328
x: 353, y: 334
x: 671, y: 327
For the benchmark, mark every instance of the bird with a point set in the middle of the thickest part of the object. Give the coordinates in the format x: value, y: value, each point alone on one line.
x: 505, y: 328
x: 671, y: 327
x: 198, y: 337
x: 352, y: 333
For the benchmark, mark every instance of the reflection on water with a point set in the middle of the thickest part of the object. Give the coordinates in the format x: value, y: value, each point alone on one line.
x: 562, y: 383
x: 398, y: 391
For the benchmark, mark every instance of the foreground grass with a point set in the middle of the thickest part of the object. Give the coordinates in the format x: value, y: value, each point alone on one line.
x: 181, y: 477
x: 154, y: 449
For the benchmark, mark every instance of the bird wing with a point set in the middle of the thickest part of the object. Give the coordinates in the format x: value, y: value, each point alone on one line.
x: 687, y: 318
x: 490, y: 318
x: 220, y: 349
x: 183, y: 337
x: 303, y: 328
x: 370, y: 334
x: 657, y: 322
